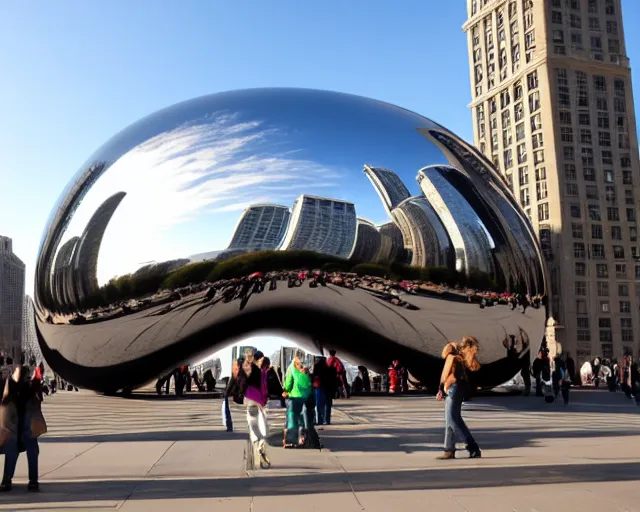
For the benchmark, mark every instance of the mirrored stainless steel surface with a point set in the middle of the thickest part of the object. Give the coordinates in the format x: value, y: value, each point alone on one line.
x: 336, y: 220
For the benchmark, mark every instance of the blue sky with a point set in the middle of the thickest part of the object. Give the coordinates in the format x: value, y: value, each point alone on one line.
x: 75, y: 72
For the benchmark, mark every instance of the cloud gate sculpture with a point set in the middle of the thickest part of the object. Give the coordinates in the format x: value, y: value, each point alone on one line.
x: 335, y: 220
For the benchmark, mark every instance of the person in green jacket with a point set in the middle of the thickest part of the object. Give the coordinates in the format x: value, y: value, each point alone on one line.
x: 299, y: 390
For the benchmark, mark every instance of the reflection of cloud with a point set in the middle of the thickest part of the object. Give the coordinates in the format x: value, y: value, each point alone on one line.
x: 213, y: 166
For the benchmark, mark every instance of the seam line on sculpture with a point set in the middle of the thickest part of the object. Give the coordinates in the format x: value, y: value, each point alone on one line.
x: 353, y: 491
x: 159, y: 458
x: 70, y: 460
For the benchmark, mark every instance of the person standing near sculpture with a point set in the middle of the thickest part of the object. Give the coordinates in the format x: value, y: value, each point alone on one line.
x: 454, y: 382
x: 23, y: 395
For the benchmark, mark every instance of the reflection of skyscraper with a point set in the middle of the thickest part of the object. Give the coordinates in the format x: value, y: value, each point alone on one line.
x: 62, y: 270
x: 497, y: 209
x: 85, y: 258
x: 388, y: 185
x: 323, y: 225
x: 423, y: 232
x: 11, y: 298
x: 69, y: 200
x: 473, y: 249
x: 391, y: 244
x: 261, y: 227
x: 367, y: 244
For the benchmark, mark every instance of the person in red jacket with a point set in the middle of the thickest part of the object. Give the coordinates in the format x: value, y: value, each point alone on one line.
x: 337, y: 365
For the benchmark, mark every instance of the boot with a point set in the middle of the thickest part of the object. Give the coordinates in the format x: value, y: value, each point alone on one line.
x: 447, y: 455
x: 474, y: 450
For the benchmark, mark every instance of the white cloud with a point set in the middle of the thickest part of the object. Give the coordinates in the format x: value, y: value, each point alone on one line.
x: 179, y: 176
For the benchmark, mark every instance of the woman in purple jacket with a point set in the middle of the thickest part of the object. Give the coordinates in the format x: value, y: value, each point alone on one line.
x: 255, y: 399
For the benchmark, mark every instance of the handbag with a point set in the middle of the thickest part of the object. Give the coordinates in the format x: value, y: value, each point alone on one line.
x: 38, y: 423
x: 8, y: 416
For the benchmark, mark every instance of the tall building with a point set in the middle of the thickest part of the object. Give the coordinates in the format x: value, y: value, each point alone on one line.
x: 323, y: 225
x: 30, y: 346
x: 261, y: 228
x: 553, y: 110
x: 11, y: 299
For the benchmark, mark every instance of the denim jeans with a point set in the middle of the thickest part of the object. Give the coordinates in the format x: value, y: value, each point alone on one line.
x: 10, y: 451
x: 328, y: 405
x: 294, y: 419
x: 228, y: 421
x: 321, y: 403
x: 454, y: 424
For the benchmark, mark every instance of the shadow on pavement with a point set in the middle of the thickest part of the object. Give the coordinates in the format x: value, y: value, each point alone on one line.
x: 417, y: 440
x: 322, y: 483
x: 178, y: 435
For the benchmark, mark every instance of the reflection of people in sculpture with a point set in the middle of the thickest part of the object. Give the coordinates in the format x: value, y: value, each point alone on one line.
x: 366, y: 381
x: 536, y: 369
x: 454, y: 383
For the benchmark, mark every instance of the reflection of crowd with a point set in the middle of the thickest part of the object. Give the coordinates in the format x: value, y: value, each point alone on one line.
x: 242, y: 288
x: 185, y: 381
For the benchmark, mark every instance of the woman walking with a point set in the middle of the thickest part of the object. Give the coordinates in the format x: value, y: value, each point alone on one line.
x: 454, y: 383
x: 254, y: 385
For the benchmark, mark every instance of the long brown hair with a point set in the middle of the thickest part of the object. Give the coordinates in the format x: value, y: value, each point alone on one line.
x: 469, y: 350
x: 449, y: 349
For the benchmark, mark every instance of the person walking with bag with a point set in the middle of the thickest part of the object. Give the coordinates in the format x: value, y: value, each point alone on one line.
x: 454, y: 383
x: 25, y: 395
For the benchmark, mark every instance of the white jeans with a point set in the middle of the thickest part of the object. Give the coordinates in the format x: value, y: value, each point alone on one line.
x: 257, y: 421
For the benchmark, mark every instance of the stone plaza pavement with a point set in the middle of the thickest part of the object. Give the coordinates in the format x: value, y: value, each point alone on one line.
x: 150, y: 453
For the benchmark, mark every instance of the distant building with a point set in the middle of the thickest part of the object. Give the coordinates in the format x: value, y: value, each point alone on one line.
x: 212, y: 364
x: 283, y: 357
x: 30, y: 346
x: 261, y: 227
x: 368, y: 240
x: 12, y: 272
x: 388, y: 185
x: 237, y: 351
x: 323, y: 225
